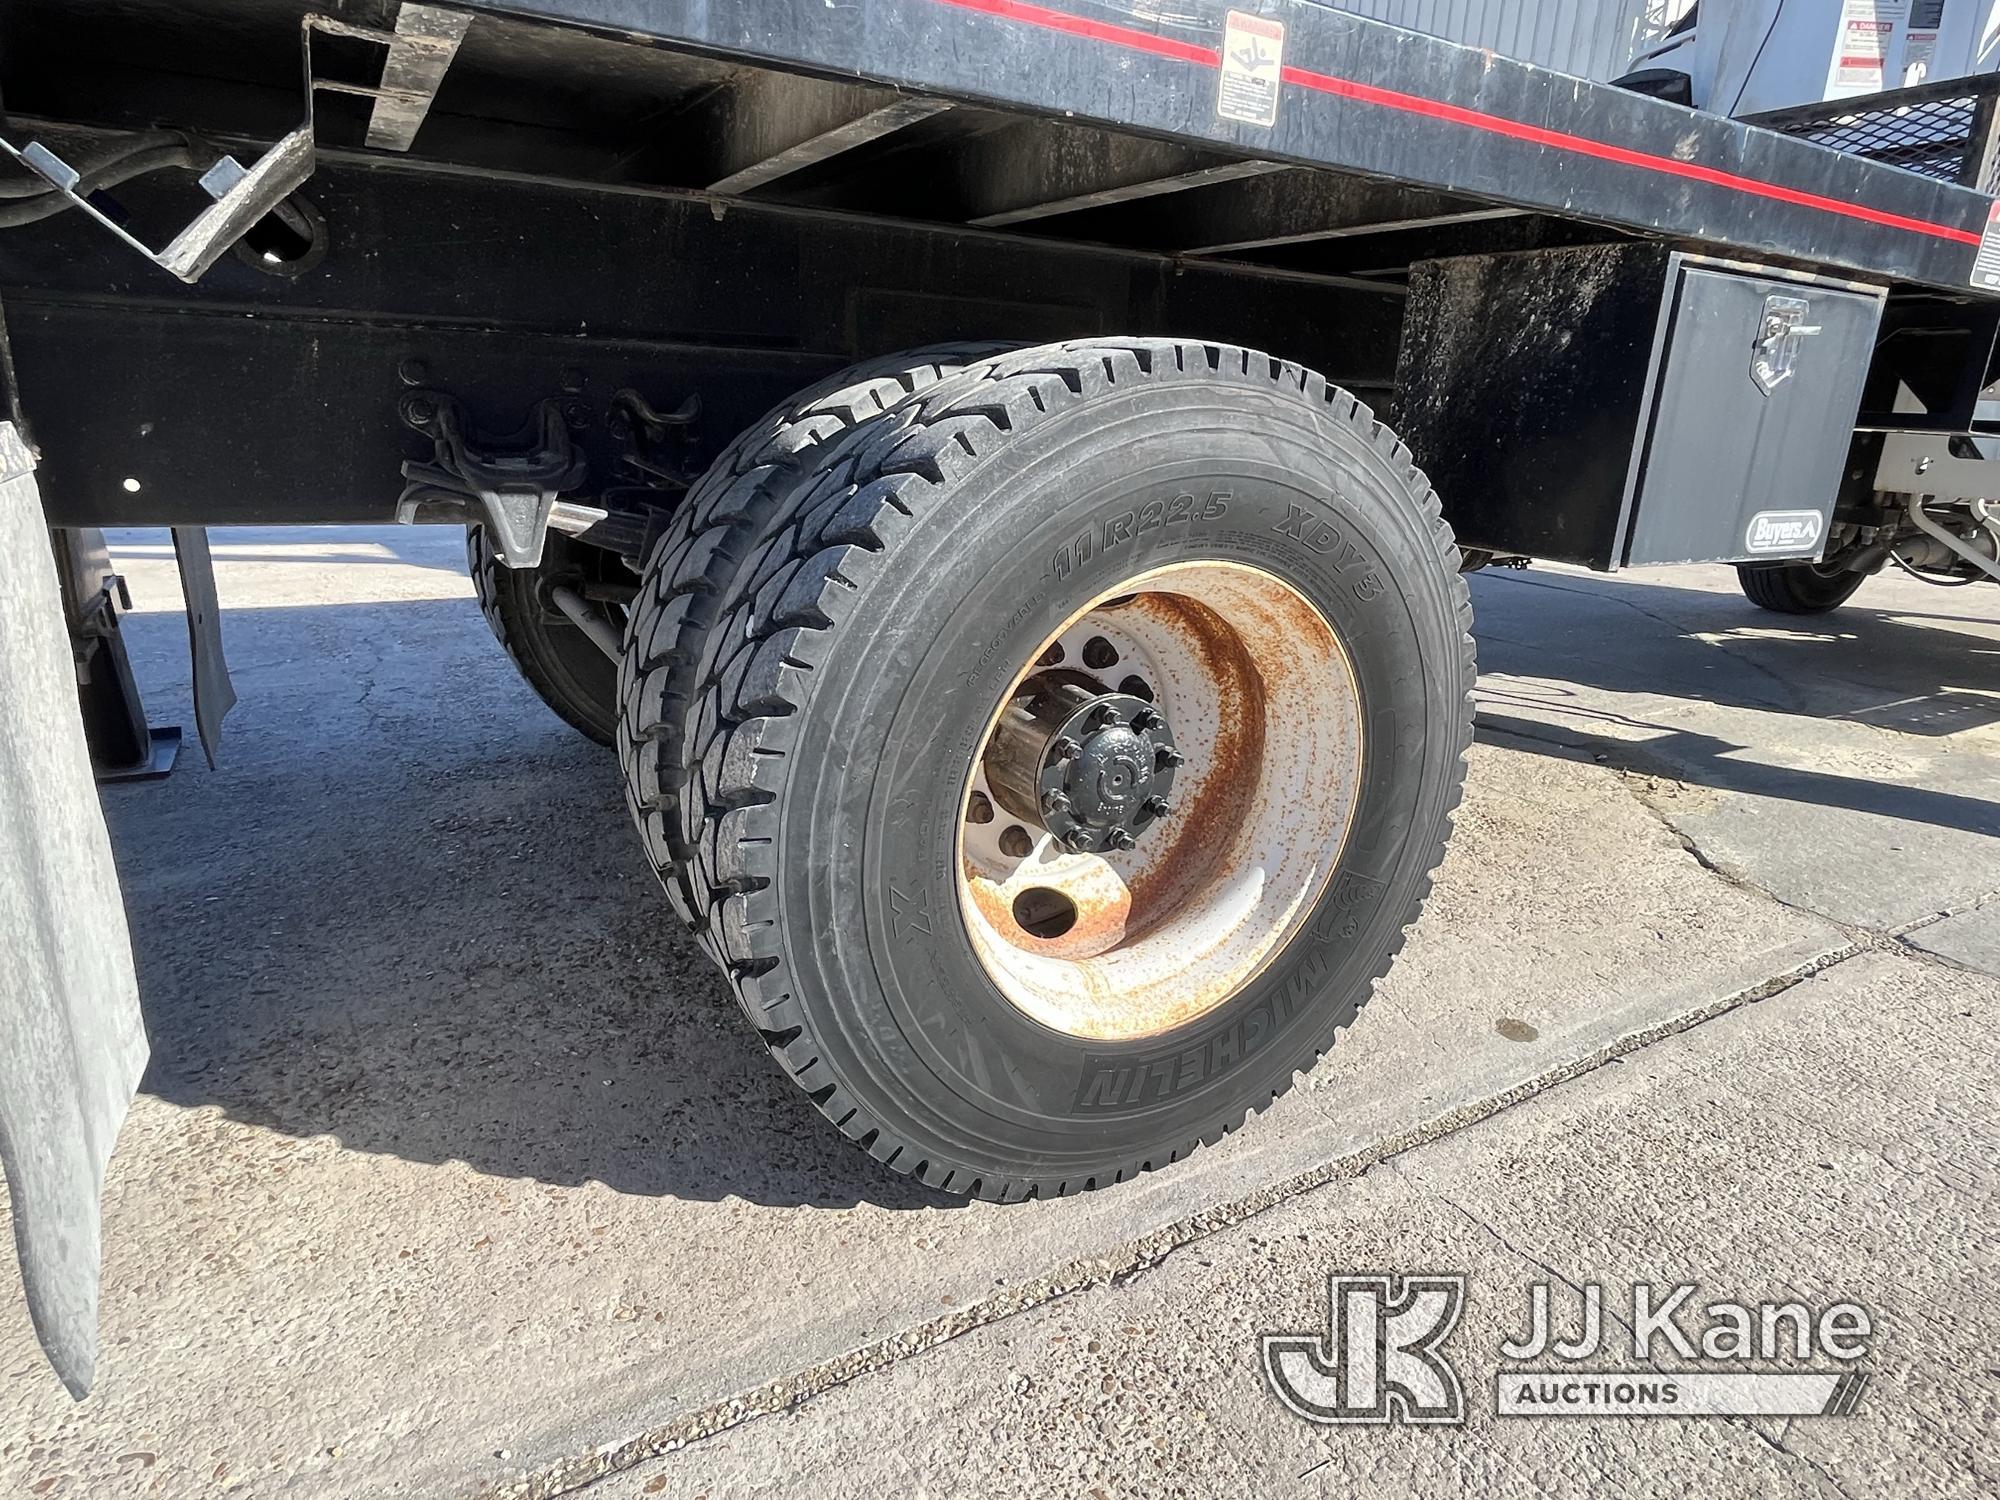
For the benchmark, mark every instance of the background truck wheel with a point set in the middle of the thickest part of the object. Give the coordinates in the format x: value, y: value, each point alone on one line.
x: 1797, y: 588
x: 568, y: 671
x: 695, y: 564
x: 1079, y: 744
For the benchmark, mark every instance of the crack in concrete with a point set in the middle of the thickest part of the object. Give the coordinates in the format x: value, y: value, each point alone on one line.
x: 789, y: 1392
x: 1779, y: 1445
x: 1494, y: 1233
x: 1892, y: 940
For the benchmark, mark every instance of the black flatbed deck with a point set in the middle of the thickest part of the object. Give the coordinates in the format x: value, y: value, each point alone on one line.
x: 1093, y: 121
x: 1362, y: 98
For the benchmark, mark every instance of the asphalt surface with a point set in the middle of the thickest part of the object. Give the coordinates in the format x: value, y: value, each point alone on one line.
x: 456, y: 1171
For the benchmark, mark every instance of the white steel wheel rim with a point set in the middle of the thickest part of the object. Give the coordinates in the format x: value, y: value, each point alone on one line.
x: 1263, y: 703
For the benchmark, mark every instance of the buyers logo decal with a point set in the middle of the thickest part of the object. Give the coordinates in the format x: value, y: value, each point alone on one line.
x: 1784, y: 531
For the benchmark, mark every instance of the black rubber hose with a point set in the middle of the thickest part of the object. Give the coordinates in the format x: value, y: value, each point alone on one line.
x: 30, y: 185
x: 175, y: 153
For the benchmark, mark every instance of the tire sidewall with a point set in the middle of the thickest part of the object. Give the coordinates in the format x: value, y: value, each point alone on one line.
x: 567, y: 670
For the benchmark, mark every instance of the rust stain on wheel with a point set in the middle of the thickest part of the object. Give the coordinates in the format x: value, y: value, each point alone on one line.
x: 1186, y: 799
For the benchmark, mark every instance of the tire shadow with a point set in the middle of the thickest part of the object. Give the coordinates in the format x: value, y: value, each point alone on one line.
x: 409, y: 911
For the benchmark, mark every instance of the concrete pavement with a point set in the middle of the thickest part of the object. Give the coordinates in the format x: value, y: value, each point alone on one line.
x: 1696, y: 1159
x: 457, y: 1173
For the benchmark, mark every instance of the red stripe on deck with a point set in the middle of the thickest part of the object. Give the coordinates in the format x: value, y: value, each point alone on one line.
x: 1584, y: 146
x: 1134, y: 40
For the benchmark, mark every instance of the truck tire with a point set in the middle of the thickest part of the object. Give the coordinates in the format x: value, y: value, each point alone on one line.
x: 1798, y: 588
x: 695, y: 563
x: 562, y: 664
x: 1117, y: 571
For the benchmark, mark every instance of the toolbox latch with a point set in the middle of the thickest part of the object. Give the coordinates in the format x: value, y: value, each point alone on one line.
x: 1776, y: 352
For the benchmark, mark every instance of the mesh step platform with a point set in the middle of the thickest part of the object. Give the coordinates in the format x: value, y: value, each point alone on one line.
x: 1941, y: 130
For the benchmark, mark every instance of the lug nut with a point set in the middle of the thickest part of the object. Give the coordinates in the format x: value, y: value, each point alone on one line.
x: 1157, y: 807
x: 1055, y: 802
x: 1121, y: 838
x: 1148, y: 718
x: 1065, y: 748
x: 1104, y: 716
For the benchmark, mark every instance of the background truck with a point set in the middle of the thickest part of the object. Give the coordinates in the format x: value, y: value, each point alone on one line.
x: 1000, y: 473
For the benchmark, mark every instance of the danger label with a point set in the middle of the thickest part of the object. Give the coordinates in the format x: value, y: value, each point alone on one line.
x: 1986, y: 269
x: 1253, y: 51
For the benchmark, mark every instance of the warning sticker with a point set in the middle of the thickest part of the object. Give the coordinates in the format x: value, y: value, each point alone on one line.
x: 1920, y: 44
x: 1868, y: 33
x: 1253, y: 51
x: 1919, y: 49
x: 1986, y: 269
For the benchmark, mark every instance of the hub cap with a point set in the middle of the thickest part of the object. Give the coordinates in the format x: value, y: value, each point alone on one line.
x: 1092, y: 768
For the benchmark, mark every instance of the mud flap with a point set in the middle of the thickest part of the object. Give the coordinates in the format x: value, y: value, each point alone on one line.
x: 72, y: 1042
x: 214, y: 694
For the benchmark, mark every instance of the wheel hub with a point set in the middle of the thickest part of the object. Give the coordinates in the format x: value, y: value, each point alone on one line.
x: 1094, y: 768
x: 1255, y: 689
